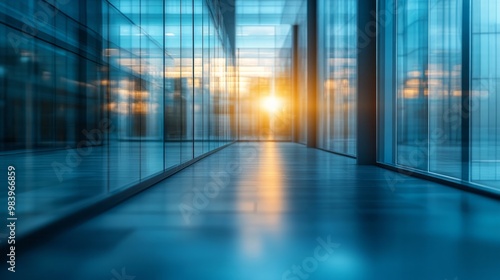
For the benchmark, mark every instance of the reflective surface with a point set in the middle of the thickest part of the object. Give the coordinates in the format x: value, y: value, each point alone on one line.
x: 97, y: 96
x: 485, y: 85
x: 277, y: 203
x: 429, y: 120
x: 337, y: 107
x: 264, y: 54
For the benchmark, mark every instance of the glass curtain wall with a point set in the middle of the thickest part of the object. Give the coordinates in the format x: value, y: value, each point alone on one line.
x: 428, y: 121
x: 265, y: 94
x: 98, y: 96
x: 264, y: 56
x: 485, y: 93
x: 337, y: 93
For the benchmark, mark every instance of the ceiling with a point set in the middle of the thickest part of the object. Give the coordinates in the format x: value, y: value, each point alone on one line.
x: 265, y: 23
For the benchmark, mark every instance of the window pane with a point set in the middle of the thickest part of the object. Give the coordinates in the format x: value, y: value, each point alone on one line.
x: 485, y: 116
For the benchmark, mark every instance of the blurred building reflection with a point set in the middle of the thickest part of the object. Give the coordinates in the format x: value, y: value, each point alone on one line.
x: 159, y: 74
x: 423, y: 107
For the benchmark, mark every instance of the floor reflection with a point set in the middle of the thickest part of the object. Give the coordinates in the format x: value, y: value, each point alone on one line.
x: 305, y: 199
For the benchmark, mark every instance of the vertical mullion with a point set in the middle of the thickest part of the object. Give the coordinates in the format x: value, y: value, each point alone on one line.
x: 312, y: 70
x: 202, y: 78
x: 237, y: 87
x: 394, y: 86
x: 426, y: 81
x: 141, y: 83
x: 108, y: 93
x: 181, y: 88
x: 366, y: 85
x: 193, y: 65
x: 466, y: 101
x: 164, y: 87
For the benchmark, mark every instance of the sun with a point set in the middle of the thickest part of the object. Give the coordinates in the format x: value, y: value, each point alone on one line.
x: 272, y: 104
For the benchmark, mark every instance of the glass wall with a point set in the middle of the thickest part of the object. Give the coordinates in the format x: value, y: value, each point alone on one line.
x: 98, y: 96
x: 265, y: 94
x: 485, y: 93
x: 337, y: 62
x: 430, y: 121
x: 264, y: 58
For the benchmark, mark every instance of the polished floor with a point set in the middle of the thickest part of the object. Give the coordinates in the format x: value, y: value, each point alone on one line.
x: 264, y: 211
x: 53, y: 183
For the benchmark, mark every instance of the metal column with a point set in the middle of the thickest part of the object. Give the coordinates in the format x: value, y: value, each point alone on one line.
x: 312, y: 69
x: 367, y: 82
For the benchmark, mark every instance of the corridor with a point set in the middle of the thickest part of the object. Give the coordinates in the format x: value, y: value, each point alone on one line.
x: 250, y: 139
x: 264, y: 211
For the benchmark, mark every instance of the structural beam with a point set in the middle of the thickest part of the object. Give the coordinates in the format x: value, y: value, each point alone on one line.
x: 466, y: 87
x: 367, y: 82
x: 312, y: 75
x: 295, y: 84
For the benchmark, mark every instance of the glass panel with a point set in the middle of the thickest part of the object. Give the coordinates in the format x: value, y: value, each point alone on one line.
x: 430, y: 114
x: 386, y: 84
x: 264, y: 85
x: 51, y: 127
x: 485, y: 116
x: 199, y: 9
x: 124, y: 83
x: 444, y: 76
x: 207, y: 59
x: 173, y: 109
x: 411, y: 78
x: 338, y: 76
x: 187, y: 80
x: 148, y: 104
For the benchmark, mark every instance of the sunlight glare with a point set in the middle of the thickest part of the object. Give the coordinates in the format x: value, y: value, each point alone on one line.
x: 271, y: 104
